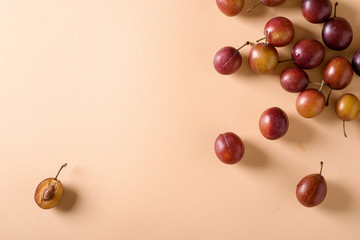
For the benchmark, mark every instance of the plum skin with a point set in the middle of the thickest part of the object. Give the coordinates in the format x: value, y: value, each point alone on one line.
x: 337, y: 33
x: 338, y: 73
x: 263, y: 58
x: 355, y: 62
x: 347, y: 107
x: 227, y: 60
x: 310, y: 103
x: 229, y: 148
x: 280, y: 31
x: 316, y: 11
x: 311, y: 190
x: 272, y: 3
x: 230, y: 7
x: 294, y: 79
x: 308, y: 53
x: 273, y: 123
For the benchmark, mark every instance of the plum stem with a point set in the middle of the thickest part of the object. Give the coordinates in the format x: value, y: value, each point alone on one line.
x: 64, y: 165
x: 287, y: 60
x: 266, y: 37
x: 321, y: 167
x: 260, y: 39
x: 322, y: 85
x: 344, y: 128
x: 247, y: 43
x: 336, y: 4
x: 328, y: 98
x: 250, y: 9
x: 317, y: 83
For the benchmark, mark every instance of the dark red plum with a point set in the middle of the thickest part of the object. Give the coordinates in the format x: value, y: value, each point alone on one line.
x: 308, y: 53
x: 337, y: 33
x: 312, y: 189
x: 280, y: 31
x: 316, y: 11
x: 356, y: 62
x: 229, y: 148
x: 230, y: 7
x: 294, y: 79
x: 273, y: 123
x: 228, y: 59
x: 338, y: 73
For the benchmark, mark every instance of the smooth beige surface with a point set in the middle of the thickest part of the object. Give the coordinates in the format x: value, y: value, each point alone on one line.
x: 125, y: 92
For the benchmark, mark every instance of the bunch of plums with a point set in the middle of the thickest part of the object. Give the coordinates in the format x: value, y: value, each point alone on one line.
x: 263, y: 56
x: 337, y: 35
x: 306, y: 54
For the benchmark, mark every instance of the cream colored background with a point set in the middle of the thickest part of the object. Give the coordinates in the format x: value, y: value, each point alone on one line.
x: 125, y: 92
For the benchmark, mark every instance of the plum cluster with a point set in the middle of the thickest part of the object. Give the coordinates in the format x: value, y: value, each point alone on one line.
x: 306, y: 54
